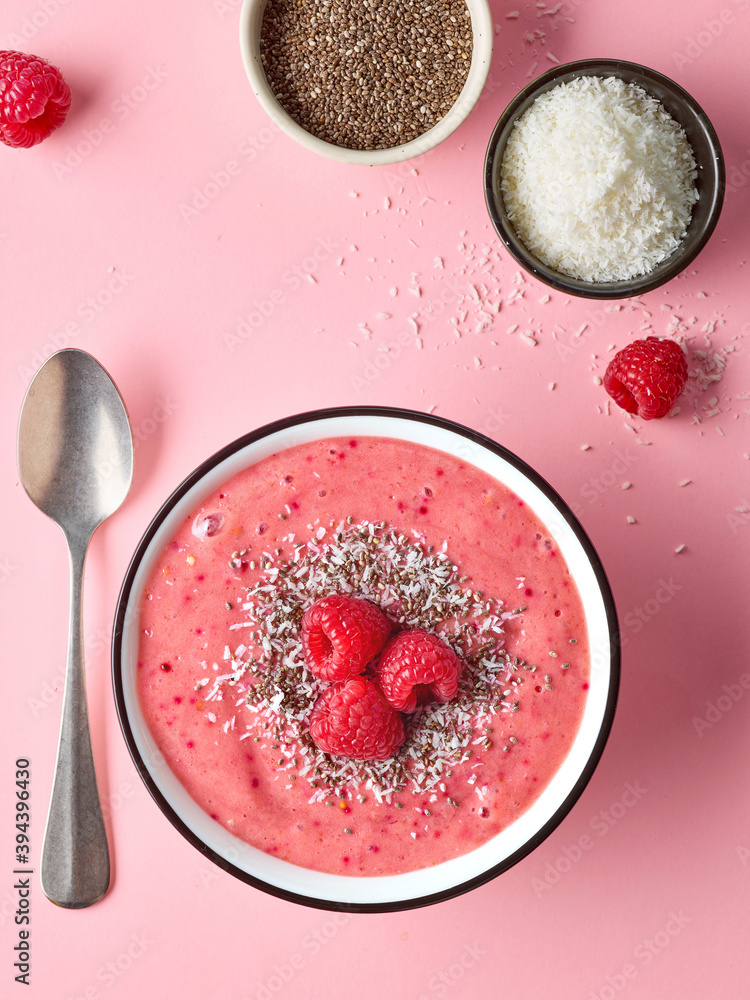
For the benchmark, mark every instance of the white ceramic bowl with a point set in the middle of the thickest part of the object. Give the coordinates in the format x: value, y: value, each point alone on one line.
x: 251, y: 20
x: 452, y: 877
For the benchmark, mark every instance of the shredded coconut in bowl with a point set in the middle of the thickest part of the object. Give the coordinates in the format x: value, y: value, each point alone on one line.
x: 598, y: 180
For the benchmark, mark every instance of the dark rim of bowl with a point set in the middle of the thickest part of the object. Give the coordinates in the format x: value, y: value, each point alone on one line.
x: 195, y: 477
x: 710, y: 181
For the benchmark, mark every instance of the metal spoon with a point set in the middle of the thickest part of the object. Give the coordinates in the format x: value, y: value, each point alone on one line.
x: 75, y: 456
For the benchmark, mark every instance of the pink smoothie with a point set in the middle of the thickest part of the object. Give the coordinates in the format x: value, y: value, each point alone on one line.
x: 436, y: 542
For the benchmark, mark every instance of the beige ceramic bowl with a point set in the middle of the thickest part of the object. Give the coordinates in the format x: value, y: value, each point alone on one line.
x: 251, y: 20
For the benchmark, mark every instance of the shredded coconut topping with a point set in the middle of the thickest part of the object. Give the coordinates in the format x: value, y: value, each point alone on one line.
x: 417, y: 587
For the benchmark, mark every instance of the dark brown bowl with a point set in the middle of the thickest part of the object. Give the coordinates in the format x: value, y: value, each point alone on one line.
x: 710, y: 181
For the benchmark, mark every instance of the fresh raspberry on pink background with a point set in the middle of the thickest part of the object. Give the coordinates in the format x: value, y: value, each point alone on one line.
x: 34, y: 99
x: 352, y: 719
x: 341, y: 635
x: 647, y: 376
x: 417, y: 667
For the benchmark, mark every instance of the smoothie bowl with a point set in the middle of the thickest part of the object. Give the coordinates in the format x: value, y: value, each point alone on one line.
x: 438, y: 531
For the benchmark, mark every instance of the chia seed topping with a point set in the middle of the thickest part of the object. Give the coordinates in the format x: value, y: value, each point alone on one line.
x: 366, y: 74
x: 416, y: 588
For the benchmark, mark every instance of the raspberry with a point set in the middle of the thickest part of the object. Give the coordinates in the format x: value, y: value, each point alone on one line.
x: 352, y: 719
x: 34, y: 99
x: 341, y: 635
x: 417, y: 666
x: 647, y: 376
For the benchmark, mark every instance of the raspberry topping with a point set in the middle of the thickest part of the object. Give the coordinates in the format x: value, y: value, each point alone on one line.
x: 417, y: 667
x: 647, y: 376
x: 34, y: 99
x: 341, y: 635
x: 352, y: 719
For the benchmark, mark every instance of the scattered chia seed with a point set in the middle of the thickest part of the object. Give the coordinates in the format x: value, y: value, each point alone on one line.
x: 363, y: 74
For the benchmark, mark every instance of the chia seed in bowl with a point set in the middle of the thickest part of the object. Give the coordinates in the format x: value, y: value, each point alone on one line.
x: 367, y: 83
x: 366, y: 74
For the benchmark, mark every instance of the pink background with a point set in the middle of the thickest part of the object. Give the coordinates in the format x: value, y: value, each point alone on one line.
x: 226, y: 278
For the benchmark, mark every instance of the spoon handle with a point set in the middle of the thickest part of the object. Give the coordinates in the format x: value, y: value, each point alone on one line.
x: 75, y: 856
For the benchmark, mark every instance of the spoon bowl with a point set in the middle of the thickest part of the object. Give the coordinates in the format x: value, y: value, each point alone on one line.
x: 75, y: 457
